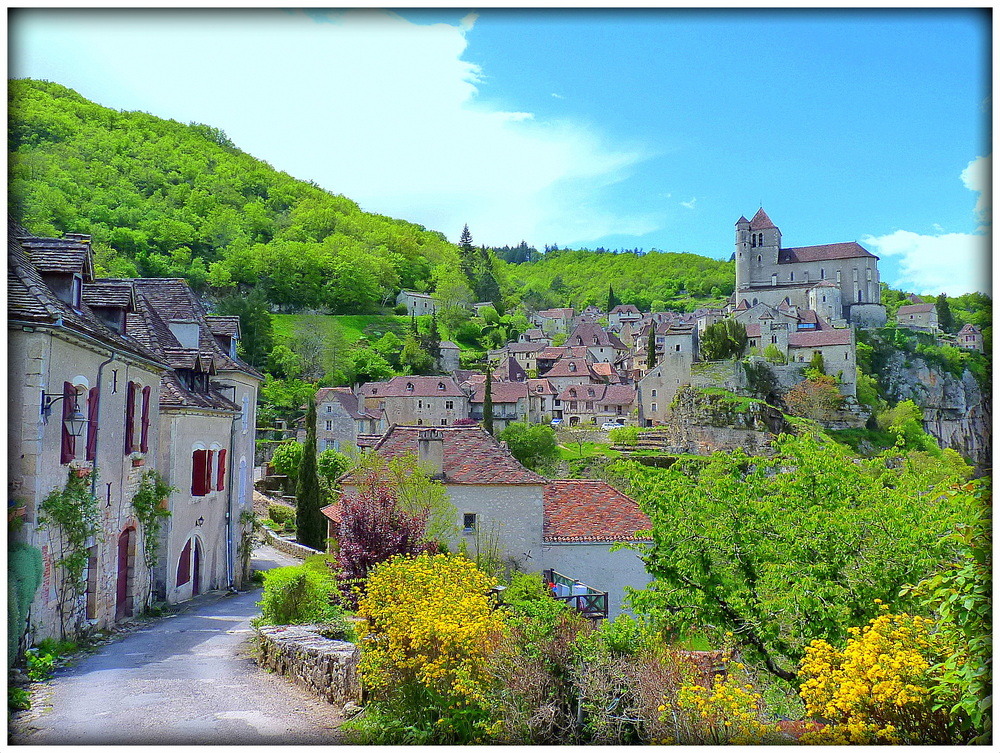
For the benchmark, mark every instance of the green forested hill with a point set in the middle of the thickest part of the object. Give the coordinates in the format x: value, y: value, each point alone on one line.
x: 163, y: 198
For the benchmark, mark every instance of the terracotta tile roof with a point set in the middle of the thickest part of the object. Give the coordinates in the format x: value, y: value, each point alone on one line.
x: 553, y: 352
x: 509, y: 371
x: 626, y: 308
x: 471, y: 456
x: 588, y: 510
x: 828, y: 252
x: 540, y: 387
x: 603, y: 394
x: 808, y: 316
x: 331, y: 512
x: 917, y: 308
x: 825, y: 335
x: 970, y: 329
x: 743, y: 305
x: 753, y: 329
x: 414, y: 386
x: 501, y: 392
x: 761, y: 221
x: 560, y: 313
x: 572, y: 367
x: 346, y: 398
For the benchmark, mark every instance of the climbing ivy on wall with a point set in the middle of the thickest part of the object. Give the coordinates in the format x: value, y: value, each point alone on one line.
x: 149, y: 511
x: 71, y: 514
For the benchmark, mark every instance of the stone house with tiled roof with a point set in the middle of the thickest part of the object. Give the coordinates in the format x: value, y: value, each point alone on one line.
x: 341, y: 419
x: 970, y: 337
x: 584, y: 520
x: 82, y: 399
x: 919, y: 316
x: 596, y: 403
x: 766, y: 272
x: 553, y: 321
x: 416, y: 400
x: 536, y: 524
x: 417, y: 304
x: 208, y: 402
x: 600, y: 344
x: 510, y: 403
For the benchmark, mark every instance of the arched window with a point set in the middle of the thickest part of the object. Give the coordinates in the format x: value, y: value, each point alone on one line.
x: 859, y: 296
x: 822, y: 273
x: 760, y: 260
x: 753, y: 240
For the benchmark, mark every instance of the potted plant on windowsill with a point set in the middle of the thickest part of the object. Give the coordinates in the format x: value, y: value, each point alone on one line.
x: 138, y: 459
x: 80, y: 468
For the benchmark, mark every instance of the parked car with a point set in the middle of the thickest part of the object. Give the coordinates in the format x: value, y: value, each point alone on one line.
x: 611, y: 425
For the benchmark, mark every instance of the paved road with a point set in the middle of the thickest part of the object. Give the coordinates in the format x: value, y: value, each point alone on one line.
x: 184, y: 679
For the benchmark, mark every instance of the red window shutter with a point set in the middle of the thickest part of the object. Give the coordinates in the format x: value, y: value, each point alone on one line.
x: 129, y: 417
x: 184, y: 564
x: 144, y: 437
x: 209, y: 465
x: 222, y: 471
x: 198, y: 473
x: 93, y: 403
x: 68, y: 444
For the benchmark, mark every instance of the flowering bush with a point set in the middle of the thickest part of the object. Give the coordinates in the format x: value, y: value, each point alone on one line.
x: 730, y: 712
x: 878, y: 689
x: 428, y: 630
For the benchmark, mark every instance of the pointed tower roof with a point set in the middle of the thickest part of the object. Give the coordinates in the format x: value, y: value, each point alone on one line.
x: 761, y: 221
x: 742, y: 221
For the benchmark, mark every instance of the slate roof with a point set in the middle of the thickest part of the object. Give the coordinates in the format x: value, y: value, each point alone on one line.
x: 67, y: 255
x: 828, y: 252
x: 423, y: 386
x: 227, y: 326
x: 471, y: 456
x: 578, y: 510
x: 109, y: 294
x: 30, y: 300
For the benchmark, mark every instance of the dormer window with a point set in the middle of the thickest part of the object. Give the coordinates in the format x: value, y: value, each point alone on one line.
x: 409, y: 386
x: 572, y: 393
x: 590, y: 393
x: 572, y: 367
x: 441, y: 386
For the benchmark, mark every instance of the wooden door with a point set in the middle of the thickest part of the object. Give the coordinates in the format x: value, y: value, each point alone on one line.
x: 123, y: 600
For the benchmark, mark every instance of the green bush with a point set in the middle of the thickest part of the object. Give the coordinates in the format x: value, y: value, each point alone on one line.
x: 280, y: 514
x: 24, y: 575
x: 627, y: 436
x: 18, y: 699
x: 298, y: 595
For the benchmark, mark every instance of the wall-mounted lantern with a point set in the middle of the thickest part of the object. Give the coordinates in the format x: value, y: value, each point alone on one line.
x: 75, y: 422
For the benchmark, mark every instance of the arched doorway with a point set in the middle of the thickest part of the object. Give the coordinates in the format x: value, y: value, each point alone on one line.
x: 196, y: 569
x: 126, y: 569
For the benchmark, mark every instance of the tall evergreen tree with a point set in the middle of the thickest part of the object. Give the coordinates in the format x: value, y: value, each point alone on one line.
x: 310, y: 524
x: 612, y: 299
x: 488, y: 402
x: 946, y: 320
x: 433, y: 343
x: 467, y: 257
x: 651, y: 346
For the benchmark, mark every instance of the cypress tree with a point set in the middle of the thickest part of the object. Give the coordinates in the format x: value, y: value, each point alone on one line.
x: 946, y: 320
x: 612, y: 299
x: 309, y: 522
x: 651, y: 346
x: 488, y: 402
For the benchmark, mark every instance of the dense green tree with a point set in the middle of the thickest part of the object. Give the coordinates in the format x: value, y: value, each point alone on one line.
x: 534, y: 445
x: 413, y: 358
x: 488, y: 401
x: 946, y: 321
x: 724, y: 339
x: 785, y: 549
x: 256, y: 333
x: 310, y: 525
x: 370, y: 366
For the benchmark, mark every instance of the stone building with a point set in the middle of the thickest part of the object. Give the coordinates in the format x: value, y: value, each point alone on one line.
x: 535, y: 524
x: 768, y: 273
x: 553, y: 321
x: 208, y: 402
x: 918, y: 316
x: 341, y: 419
x: 417, y: 304
x: 970, y: 337
x: 416, y: 400
x: 510, y: 403
x: 82, y: 400
x: 600, y: 344
x: 596, y: 403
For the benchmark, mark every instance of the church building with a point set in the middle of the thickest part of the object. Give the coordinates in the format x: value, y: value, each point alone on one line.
x: 846, y: 273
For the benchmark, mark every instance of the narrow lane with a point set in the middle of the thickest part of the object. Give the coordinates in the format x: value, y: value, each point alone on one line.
x: 188, y: 678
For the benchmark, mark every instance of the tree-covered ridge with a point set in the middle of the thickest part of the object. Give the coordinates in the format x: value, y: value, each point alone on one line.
x: 656, y: 280
x: 161, y: 198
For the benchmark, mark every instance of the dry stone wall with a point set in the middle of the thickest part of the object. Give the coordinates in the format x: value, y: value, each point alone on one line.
x: 323, y: 666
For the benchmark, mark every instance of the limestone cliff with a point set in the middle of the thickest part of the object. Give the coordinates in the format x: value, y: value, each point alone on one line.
x: 956, y: 410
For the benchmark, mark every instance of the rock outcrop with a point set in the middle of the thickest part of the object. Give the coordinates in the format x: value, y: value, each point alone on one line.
x: 956, y: 411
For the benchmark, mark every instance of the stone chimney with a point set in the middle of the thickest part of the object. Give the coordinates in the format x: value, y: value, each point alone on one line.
x: 430, y: 451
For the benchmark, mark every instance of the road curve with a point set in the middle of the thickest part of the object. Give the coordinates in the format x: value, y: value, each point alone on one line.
x: 187, y: 678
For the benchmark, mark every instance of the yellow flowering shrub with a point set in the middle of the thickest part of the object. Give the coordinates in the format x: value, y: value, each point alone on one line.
x: 427, y: 632
x: 730, y: 712
x: 877, y: 690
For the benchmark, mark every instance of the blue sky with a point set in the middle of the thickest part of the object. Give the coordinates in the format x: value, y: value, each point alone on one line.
x: 650, y: 129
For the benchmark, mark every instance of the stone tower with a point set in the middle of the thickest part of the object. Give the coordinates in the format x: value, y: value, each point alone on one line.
x: 742, y: 253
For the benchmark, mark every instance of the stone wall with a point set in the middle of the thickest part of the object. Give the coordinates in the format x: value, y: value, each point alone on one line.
x: 288, y: 547
x: 326, y: 667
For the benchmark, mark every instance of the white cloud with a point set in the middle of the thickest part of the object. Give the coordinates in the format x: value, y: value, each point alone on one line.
x: 363, y: 102
x: 689, y: 204
x: 952, y: 263
x: 976, y: 177
x: 558, y: 96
